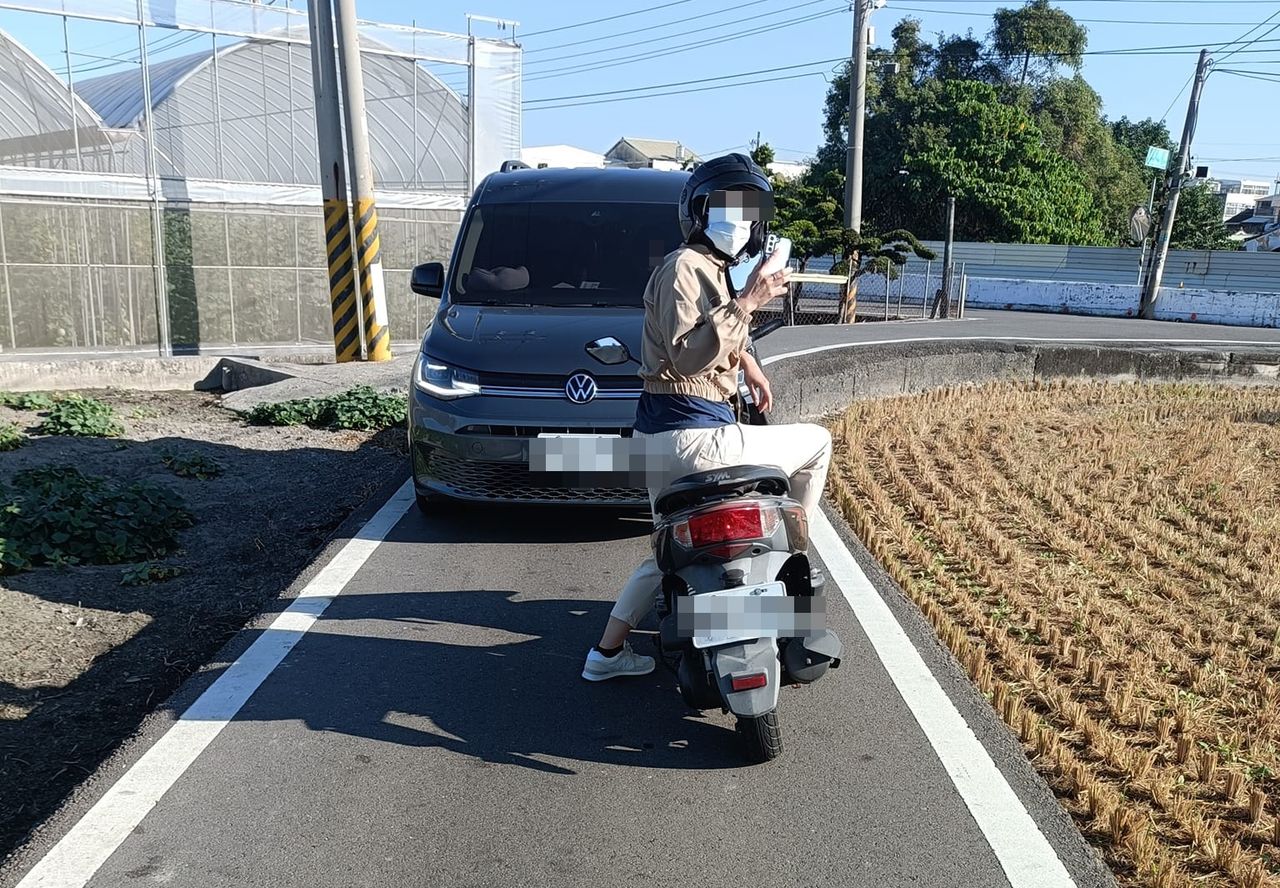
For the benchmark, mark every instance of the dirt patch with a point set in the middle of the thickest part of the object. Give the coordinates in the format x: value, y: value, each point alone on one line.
x: 1104, y: 560
x: 84, y: 658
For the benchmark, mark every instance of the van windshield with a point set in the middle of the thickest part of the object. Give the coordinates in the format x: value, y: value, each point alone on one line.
x: 551, y: 253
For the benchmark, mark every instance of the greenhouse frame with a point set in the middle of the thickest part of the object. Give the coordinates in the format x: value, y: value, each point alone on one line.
x: 171, y: 204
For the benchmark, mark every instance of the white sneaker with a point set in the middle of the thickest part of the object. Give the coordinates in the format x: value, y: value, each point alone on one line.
x: 626, y: 662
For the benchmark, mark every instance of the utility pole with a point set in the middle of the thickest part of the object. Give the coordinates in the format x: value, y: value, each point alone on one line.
x: 377, y: 335
x: 1151, y: 290
x: 942, y: 301
x: 333, y: 185
x: 857, y: 117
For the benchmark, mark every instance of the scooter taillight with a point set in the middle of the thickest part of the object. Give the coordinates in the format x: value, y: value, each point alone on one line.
x: 730, y: 523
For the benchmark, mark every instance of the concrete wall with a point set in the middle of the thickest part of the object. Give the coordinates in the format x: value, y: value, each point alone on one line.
x: 816, y: 385
x: 1241, y: 308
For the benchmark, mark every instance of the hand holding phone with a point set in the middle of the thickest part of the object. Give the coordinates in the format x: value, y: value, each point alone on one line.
x: 778, y: 256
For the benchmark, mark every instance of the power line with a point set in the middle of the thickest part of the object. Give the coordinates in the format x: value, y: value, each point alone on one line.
x: 616, y: 92
x: 1178, y: 96
x: 1247, y: 33
x: 1091, y: 21
x: 663, y: 95
x: 631, y: 44
x: 671, y: 24
x: 609, y: 18
x: 575, y: 69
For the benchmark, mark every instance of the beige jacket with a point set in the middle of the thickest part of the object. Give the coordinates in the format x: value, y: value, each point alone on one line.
x: 694, y: 332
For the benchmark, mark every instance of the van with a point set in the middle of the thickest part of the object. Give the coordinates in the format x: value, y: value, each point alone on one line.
x: 538, y: 331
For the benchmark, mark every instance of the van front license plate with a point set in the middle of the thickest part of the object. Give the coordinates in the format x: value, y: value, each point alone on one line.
x: 571, y: 455
x: 745, y: 613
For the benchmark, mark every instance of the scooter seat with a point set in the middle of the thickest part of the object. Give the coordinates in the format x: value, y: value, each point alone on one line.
x: 719, y: 484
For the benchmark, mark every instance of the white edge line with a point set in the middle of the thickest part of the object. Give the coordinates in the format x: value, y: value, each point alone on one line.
x: 1026, y: 856
x: 843, y: 345
x: 74, y: 860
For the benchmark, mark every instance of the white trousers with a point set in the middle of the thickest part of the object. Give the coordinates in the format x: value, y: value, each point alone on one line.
x: 802, y: 451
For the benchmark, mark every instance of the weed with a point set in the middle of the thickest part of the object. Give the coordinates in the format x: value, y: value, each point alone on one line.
x: 56, y: 515
x: 26, y: 400
x: 148, y: 572
x: 192, y: 465
x: 362, y: 408
x: 11, y: 436
x: 82, y: 417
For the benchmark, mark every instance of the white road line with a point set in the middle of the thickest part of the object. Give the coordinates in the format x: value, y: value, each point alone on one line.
x: 1026, y: 856
x: 73, y: 861
x: 842, y: 345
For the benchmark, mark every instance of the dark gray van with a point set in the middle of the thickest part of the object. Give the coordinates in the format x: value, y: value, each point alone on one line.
x: 538, y: 330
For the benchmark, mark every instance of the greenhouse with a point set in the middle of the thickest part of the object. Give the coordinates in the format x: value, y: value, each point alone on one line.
x: 173, y: 204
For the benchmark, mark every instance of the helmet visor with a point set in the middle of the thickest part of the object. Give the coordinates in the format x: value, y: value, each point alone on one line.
x: 746, y: 205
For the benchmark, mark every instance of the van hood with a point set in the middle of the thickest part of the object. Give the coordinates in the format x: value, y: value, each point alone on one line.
x: 534, y: 340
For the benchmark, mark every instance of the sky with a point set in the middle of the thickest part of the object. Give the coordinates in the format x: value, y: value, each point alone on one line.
x: 789, y: 48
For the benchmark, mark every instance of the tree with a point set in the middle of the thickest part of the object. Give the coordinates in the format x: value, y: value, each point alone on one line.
x: 1038, y: 32
x: 762, y: 154
x: 1198, y: 224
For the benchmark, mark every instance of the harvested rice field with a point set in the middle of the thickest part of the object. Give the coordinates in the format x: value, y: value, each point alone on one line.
x: 1104, y: 560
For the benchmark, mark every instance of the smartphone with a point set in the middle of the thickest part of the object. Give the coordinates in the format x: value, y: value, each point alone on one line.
x: 778, y: 254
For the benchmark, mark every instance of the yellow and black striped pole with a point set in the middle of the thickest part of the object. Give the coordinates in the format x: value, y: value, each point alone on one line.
x: 342, y: 282
x: 343, y: 298
x: 373, y: 293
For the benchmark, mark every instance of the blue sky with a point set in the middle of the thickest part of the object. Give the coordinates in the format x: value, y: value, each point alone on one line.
x: 1239, y: 132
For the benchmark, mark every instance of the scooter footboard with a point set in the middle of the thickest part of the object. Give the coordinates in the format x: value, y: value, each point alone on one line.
x: 753, y: 667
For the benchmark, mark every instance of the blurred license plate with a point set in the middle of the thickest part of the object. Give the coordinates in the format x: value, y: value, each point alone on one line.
x: 576, y: 453
x: 743, y: 613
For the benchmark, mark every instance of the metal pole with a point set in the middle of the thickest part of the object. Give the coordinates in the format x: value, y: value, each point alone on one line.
x: 71, y: 93
x: 924, y: 295
x: 857, y: 118
x: 373, y: 294
x: 163, y: 342
x: 886, y: 291
x: 1160, y: 253
x: 333, y: 185
x: 902, y: 283
x: 964, y: 288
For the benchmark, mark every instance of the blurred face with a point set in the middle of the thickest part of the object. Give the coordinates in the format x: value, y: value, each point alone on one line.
x: 731, y: 216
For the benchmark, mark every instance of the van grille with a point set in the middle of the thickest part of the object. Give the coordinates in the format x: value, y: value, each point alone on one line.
x: 513, y: 482
x: 504, y: 431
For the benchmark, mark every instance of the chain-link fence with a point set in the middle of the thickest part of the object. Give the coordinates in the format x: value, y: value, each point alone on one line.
x: 159, y: 178
x: 904, y: 292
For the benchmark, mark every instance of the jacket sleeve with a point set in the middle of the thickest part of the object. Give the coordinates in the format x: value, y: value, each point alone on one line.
x: 699, y: 341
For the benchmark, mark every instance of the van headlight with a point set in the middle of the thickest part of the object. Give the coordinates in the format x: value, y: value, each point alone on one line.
x: 439, y: 380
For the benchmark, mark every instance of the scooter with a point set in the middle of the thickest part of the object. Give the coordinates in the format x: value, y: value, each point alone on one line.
x: 741, y: 610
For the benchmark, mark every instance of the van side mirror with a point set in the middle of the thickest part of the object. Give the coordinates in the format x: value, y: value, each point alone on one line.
x: 428, y: 280
x: 609, y: 351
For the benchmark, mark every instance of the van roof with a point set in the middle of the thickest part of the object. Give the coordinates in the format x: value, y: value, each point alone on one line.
x: 583, y: 184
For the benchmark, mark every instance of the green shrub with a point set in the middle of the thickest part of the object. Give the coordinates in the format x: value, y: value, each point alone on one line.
x: 26, y: 400
x: 82, y: 417
x: 192, y: 465
x: 362, y: 408
x: 11, y: 436
x: 57, y: 515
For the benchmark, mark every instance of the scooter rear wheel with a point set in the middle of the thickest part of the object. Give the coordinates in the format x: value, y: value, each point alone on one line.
x: 761, y: 736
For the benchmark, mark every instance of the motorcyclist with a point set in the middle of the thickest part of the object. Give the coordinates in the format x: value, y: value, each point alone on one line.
x: 695, y: 340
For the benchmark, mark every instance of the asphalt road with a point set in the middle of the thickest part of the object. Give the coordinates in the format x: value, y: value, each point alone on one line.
x: 430, y: 728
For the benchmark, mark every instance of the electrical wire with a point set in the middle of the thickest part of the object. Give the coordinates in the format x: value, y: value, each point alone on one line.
x: 671, y: 24
x: 679, y: 92
x: 1247, y: 33
x: 631, y: 44
x: 616, y: 92
x: 658, y: 40
x: 1090, y: 21
x: 609, y: 18
x: 625, y: 60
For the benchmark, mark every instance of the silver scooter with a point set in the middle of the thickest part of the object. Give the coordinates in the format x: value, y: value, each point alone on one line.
x: 741, y: 610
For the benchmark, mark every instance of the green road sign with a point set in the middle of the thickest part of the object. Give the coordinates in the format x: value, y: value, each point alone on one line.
x: 1158, y: 158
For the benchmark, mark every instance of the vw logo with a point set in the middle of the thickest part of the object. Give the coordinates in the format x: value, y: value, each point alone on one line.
x: 580, y: 388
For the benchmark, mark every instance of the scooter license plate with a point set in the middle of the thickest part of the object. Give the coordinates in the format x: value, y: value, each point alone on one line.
x: 743, y: 613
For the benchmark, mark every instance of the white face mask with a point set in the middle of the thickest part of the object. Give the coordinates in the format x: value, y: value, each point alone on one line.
x: 728, y: 235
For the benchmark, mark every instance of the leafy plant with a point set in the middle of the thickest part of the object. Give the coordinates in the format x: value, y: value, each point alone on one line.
x: 11, y: 436
x: 148, y: 572
x: 82, y: 417
x: 362, y: 408
x: 26, y: 400
x: 56, y: 515
x: 192, y: 465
